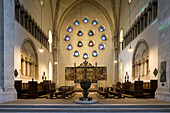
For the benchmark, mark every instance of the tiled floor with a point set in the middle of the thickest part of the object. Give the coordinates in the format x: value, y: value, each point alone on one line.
x: 94, y: 95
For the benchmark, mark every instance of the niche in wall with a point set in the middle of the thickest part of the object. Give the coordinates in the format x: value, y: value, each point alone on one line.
x: 140, y: 67
x: 29, y: 60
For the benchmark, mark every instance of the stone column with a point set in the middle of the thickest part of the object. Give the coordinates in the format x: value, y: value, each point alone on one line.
x: 7, y: 91
x: 163, y: 91
x: 55, y: 59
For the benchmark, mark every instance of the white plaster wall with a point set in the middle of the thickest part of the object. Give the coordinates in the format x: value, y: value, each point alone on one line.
x: 150, y: 35
x: 20, y: 34
x: 135, y: 7
x: 66, y: 58
x: 34, y: 9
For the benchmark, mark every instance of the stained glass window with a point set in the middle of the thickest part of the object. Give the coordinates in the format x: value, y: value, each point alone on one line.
x: 85, y: 56
x: 69, y: 47
x: 101, y: 28
x: 67, y: 38
x: 76, y: 22
x: 94, y: 53
x: 91, y: 43
x: 69, y: 29
x: 76, y: 53
x: 79, y: 33
x: 91, y: 33
x: 101, y: 46
x: 94, y: 22
x: 85, y: 19
x: 104, y: 37
x: 80, y: 44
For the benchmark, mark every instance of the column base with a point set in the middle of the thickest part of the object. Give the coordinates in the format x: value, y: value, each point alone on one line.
x: 163, y: 94
x: 9, y: 95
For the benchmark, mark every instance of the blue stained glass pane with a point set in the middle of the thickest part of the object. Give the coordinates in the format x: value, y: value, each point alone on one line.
x: 76, y: 53
x: 91, y: 43
x: 80, y: 44
x: 67, y: 38
x: 94, y: 22
x: 80, y: 33
x: 94, y: 53
x: 85, y: 56
x: 101, y: 28
x: 104, y: 37
x: 76, y: 22
x: 101, y: 46
x: 69, y: 47
x: 85, y: 20
x: 91, y: 33
x: 69, y: 29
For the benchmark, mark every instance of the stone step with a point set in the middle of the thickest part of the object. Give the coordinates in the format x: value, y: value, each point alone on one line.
x: 84, y: 108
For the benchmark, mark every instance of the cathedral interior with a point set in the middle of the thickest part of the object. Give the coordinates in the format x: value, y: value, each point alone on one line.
x: 49, y: 48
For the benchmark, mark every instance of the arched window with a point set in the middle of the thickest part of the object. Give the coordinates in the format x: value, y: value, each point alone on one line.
x: 140, y: 67
x: 50, y: 70
x: 121, y: 39
x: 50, y: 41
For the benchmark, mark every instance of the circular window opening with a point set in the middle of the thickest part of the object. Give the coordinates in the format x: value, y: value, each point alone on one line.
x: 69, y: 47
x: 76, y: 53
x: 85, y: 56
x: 94, y: 53
x: 79, y: 43
x: 101, y: 28
x: 76, y: 22
x: 80, y: 33
x: 85, y: 19
x: 91, y: 43
x: 94, y: 22
x: 104, y: 37
x: 67, y: 38
x: 69, y: 29
x: 101, y: 46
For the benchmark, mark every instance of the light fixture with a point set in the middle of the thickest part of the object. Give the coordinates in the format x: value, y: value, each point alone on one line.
x: 115, y: 61
x: 41, y: 3
x: 130, y: 49
x: 55, y: 63
x: 41, y: 49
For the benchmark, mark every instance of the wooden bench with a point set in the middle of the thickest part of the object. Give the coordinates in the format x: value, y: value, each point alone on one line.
x: 103, y: 92
x: 116, y: 90
x: 64, y: 91
x: 32, y: 89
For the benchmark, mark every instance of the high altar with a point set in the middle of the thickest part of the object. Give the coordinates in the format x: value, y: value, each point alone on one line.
x: 93, y: 73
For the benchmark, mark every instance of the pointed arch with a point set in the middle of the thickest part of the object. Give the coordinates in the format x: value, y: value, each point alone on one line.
x: 75, y: 4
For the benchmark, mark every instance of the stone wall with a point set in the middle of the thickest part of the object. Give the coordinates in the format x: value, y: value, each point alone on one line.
x: 7, y: 91
x: 105, y: 57
x: 163, y: 91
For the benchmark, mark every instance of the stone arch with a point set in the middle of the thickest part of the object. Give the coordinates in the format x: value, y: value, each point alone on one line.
x: 75, y: 4
x: 138, y: 66
x: 29, y: 65
x: 33, y: 46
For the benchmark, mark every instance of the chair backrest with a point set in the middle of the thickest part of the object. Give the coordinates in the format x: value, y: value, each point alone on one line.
x: 118, y: 85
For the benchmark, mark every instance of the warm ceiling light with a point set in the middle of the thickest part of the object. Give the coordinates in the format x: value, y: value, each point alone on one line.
x: 55, y: 62
x: 115, y: 61
x: 129, y: 1
x: 41, y: 2
x: 130, y: 49
x: 41, y: 50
